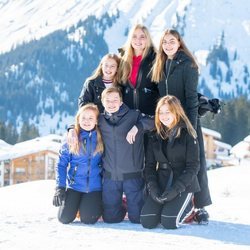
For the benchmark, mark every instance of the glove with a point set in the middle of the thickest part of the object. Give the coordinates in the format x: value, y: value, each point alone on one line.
x: 59, y: 196
x: 154, y: 192
x: 168, y: 195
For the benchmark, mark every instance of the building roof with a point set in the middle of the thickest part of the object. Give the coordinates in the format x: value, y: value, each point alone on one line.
x: 211, y: 132
x: 222, y: 144
x: 241, y: 149
x: 50, y: 142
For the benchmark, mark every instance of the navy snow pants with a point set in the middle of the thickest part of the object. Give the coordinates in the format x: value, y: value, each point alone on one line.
x: 113, y: 209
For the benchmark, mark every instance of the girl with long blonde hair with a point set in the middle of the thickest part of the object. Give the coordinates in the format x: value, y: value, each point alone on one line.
x: 137, y: 56
x: 79, y: 173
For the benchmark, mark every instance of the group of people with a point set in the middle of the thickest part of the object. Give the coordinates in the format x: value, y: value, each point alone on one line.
x: 137, y: 133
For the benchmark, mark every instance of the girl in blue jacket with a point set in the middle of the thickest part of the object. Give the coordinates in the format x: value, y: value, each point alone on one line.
x: 79, y: 180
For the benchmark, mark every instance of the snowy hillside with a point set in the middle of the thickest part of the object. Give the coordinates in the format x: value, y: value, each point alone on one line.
x: 48, y: 48
x: 28, y: 221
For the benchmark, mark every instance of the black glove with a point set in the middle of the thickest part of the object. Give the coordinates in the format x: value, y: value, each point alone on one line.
x: 59, y: 197
x: 154, y: 192
x: 168, y: 195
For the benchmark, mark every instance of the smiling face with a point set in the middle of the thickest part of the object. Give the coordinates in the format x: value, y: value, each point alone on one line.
x: 170, y: 45
x: 166, y: 117
x: 109, y: 68
x: 138, y: 42
x: 88, y: 120
x: 112, y: 102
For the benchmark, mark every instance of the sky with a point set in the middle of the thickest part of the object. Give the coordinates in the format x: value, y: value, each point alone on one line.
x: 29, y: 221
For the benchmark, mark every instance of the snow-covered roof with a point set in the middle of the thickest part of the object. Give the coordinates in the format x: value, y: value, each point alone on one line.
x: 247, y: 139
x: 50, y: 142
x: 222, y: 144
x: 211, y: 132
x: 241, y: 149
x: 4, y: 146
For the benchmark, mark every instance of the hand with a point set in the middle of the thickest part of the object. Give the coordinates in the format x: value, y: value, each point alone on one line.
x: 72, y: 139
x: 168, y: 195
x: 131, y: 135
x: 59, y: 197
x: 154, y: 192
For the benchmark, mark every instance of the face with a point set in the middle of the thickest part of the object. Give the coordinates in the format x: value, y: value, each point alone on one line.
x: 109, y: 68
x: 166, y: 116
x: 139, y: 41
x: 88, y: 120
x: 112, y: 102
x: 170, y: 45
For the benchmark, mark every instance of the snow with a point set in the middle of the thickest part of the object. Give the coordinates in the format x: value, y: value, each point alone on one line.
x: 29, y: 221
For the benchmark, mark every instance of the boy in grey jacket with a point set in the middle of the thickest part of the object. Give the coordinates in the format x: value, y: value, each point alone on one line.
x: 122, y: 133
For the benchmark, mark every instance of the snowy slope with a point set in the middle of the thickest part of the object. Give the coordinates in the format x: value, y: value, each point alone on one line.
x: 25, y: 20
x: 201, y: 22
x: 28, y: 221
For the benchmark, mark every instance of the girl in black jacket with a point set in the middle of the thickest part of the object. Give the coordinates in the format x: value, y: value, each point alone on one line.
x: 171, y: 166
x: 104, y: 76
x: 176, y: 72
x: 138, y: 54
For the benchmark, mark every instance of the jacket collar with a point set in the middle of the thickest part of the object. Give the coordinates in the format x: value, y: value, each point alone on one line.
x: 114, y: 118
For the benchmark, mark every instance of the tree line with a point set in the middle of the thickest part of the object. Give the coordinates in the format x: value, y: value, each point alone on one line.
x: 233, y: 122
x: 9, y: 133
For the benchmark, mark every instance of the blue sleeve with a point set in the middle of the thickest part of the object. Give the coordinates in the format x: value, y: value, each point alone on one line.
x: 63, y: 161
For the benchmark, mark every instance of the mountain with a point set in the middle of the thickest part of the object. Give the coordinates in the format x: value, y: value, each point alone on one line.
x: 29, y: 221
x: 48, y: 48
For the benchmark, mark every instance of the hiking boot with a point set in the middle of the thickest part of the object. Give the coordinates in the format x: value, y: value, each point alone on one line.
x: 201, y: 216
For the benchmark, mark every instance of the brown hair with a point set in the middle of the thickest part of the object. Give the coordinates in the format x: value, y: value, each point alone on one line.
x: 99, y: 147
x: 175, y: 107
x: 161, y: 57
x: 111, y: 90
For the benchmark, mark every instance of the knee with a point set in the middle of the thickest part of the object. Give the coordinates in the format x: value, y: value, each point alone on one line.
x: 169, y: 223
x: 90, y: 220
x: 113, y: 219
x: 114, y: 215
x: 65, y: 220
x: 134, y: 219
x: 149, y: 223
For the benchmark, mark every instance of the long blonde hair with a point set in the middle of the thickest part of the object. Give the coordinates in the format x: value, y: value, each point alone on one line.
x: 161, y: 57
x: 174, y: 107
x: 98, y: 70
x: 75, y: 149
x: 125, y: 67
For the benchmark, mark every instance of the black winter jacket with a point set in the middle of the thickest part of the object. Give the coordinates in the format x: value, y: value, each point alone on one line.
x: 179, y: 155
x: 145, y: 95
x: 122, y: 160
x: 181, y: 80
x: 91, y: 92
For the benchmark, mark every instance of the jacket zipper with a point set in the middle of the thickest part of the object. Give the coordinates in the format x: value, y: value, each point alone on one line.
x: 166, y: 81
x: 72, y: 179
x: 115, y: 155
x: 89, y: 160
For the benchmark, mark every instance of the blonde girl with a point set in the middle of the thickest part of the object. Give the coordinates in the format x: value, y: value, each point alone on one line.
x: 79, y: 180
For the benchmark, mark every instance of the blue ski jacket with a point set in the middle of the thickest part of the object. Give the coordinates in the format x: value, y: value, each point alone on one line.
x: 80, y: 172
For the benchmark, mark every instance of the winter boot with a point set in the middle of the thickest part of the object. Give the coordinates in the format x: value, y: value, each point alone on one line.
x: 201, y: 216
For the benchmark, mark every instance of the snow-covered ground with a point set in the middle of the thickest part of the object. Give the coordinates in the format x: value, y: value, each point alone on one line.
x: 29, y: 221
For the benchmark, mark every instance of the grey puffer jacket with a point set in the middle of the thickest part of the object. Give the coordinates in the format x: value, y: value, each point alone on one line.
x: 122, y: 160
